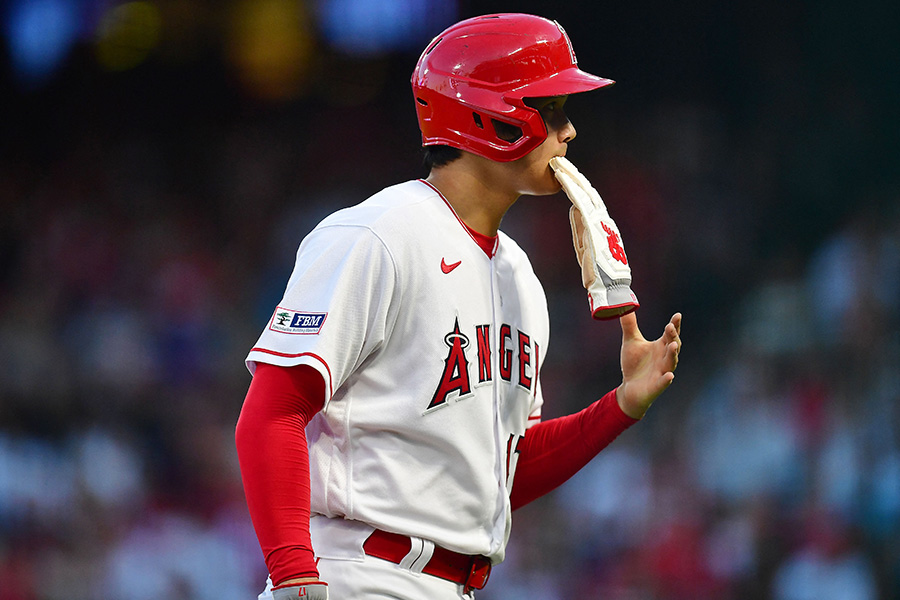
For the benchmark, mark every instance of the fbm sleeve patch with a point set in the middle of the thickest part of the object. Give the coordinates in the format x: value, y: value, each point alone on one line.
x: 286, y: 320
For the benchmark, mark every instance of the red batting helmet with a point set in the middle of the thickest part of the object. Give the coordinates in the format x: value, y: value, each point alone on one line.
x: 482, y: 69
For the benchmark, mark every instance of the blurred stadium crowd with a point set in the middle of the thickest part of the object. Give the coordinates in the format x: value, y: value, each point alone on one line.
x: 153, y: 193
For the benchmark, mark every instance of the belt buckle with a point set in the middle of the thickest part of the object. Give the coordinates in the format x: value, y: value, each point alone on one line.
x: 479, y: 573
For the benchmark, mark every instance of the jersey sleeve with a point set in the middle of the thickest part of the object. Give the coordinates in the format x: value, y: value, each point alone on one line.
x: 336, y: 308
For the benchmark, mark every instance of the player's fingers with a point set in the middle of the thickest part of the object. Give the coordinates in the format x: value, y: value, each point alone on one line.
x: 663, y: 382
x: 671, y: 359
x: 672, y: 332
x: 676, y: 321
x: 630, y: 329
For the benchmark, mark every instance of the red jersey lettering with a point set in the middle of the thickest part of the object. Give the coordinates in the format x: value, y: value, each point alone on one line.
x: 455, y: 377
x: 483, y: 335
x: 505, y: 353
x: 524, y: 360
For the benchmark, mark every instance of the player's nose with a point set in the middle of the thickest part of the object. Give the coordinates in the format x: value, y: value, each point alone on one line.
x: 566, y: 133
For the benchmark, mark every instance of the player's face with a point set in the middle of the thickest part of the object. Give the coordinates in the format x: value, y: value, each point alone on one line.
x: 533, y: 169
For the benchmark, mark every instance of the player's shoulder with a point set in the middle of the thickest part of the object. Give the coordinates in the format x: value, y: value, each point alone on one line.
x: 385, y: 221
x: 511, y: 250
x: 510, y: 255
x: 399, y: 202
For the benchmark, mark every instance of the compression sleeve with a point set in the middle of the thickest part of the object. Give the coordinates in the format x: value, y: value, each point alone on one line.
x: 274, y: 460
x: 552, y: 451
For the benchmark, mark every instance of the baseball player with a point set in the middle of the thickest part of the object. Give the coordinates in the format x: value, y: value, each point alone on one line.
x: 393, y: 422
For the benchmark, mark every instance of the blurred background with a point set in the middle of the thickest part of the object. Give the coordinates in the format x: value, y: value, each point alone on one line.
x: 160, y: 161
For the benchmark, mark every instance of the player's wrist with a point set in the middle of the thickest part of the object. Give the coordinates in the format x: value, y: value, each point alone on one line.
x: 631, y: 409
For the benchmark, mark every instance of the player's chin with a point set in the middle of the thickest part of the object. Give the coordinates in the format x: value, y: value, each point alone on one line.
x: 540, y: 182
x: 550, y: 185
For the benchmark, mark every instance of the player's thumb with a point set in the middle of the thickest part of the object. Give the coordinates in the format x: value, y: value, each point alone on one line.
x: 630, y: 330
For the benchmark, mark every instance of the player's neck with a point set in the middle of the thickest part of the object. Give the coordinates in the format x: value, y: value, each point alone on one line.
x: 474, y: 195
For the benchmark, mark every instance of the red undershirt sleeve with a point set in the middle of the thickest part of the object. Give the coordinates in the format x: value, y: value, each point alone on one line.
x: 274, y: 460
x: 552, y: 451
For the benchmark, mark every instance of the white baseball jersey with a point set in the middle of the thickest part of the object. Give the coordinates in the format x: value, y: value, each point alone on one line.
x: 431, y: 352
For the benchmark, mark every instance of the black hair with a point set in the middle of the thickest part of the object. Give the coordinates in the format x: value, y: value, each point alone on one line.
x: 440, y: 155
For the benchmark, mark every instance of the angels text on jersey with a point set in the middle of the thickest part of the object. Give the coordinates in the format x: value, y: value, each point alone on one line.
x: 518, y: 359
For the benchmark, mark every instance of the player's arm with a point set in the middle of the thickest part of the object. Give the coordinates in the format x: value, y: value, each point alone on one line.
x: 274, y: 460
x: 553, y: 451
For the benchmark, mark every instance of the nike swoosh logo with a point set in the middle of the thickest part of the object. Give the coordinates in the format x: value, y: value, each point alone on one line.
x: 447, y: 268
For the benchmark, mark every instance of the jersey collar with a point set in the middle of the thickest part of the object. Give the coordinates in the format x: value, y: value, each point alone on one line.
x: 487, y: 243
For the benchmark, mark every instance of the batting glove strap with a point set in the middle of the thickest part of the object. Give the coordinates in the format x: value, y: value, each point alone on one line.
x: 605, y: 272
x: 308, y: 591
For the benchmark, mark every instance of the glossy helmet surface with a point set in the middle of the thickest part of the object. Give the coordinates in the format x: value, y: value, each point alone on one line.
x: 481, y: 69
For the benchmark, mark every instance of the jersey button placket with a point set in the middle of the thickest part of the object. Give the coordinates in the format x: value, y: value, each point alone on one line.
x: 496, y: 322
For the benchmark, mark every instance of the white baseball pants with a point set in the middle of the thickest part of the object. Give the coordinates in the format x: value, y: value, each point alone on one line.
x: 353, y: 575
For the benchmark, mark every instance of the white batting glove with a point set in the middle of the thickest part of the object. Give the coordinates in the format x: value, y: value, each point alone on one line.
x: 308, y: 591
x: 598, y: 245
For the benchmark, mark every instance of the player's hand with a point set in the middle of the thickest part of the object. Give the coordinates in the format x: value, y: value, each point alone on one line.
x: 648, y: 367
x: 598, y: 245
x: 310, y: 590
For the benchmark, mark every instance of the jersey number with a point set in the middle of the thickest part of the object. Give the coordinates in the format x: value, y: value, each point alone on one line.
x: 512, y: 458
